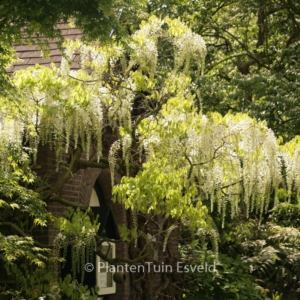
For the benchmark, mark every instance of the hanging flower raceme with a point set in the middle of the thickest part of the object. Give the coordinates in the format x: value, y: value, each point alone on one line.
x: 144, y: 88
x: 227, y: 160
x: 290, y: 157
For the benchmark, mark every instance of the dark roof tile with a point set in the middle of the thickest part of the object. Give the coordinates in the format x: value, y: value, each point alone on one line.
x: 55, y: 52
x: 75, y: 65
x: 19, y: 67
x: 23, y: 61
x: 31, y: 55
x: 39, y: 60
x: 20, y: 48
x: 73, y: 31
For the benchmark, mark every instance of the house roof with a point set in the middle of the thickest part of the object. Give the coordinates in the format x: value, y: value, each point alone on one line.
x: 31, y: 55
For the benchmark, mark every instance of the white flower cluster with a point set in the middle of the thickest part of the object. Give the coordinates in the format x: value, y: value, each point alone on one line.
x: 148, y: 144
x: 10, y: 130
x: 126, y: 145
x: 153, y: 27
x: 119, y: 112
x: 290, y: 155
x: 146, y: 53
x: 190, y: 46
x: 230, y: 159
x: 85, y: 55
x: 66, y: 60
x: 113, y: 159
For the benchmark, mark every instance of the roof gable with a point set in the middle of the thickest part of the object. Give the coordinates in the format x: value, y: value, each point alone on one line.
x: 31, y: 55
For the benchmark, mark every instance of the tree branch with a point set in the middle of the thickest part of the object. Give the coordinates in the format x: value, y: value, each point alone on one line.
x: 83, y: 164
x: 20, y: 232
x: 56, y: 198
x: 293, y: 7
x: 73, y: 167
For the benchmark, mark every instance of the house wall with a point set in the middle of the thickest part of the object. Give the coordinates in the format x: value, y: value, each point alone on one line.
x: 78, y: 190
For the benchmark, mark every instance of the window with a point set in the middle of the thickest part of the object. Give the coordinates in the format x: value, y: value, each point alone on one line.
x: 105, y: 272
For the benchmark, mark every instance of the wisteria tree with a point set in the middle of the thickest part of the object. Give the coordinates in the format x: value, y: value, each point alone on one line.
x: 177, y: 165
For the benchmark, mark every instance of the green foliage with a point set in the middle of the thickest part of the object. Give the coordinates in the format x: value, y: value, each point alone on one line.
x: 37, y: 283
x: 276, y: 296
x: 7, y: 57
x: 252, y: 63
x: 149, y: 186
x: 18, y: 200
x: 77, y: 223
x: 73, y: 290
x: 34, y: 19
x: 231, y: 279
x: 14, y: 248
x: 37, y: 22
x: 28, y: 282
x: 22, y: 210
x: 25, y: 263
x: 272, y: 253
x: 286, y: 214
x: 78, y: 232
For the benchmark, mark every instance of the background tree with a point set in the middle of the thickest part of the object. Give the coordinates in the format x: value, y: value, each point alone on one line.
x: 250, y: 66
x: 252, y: 63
